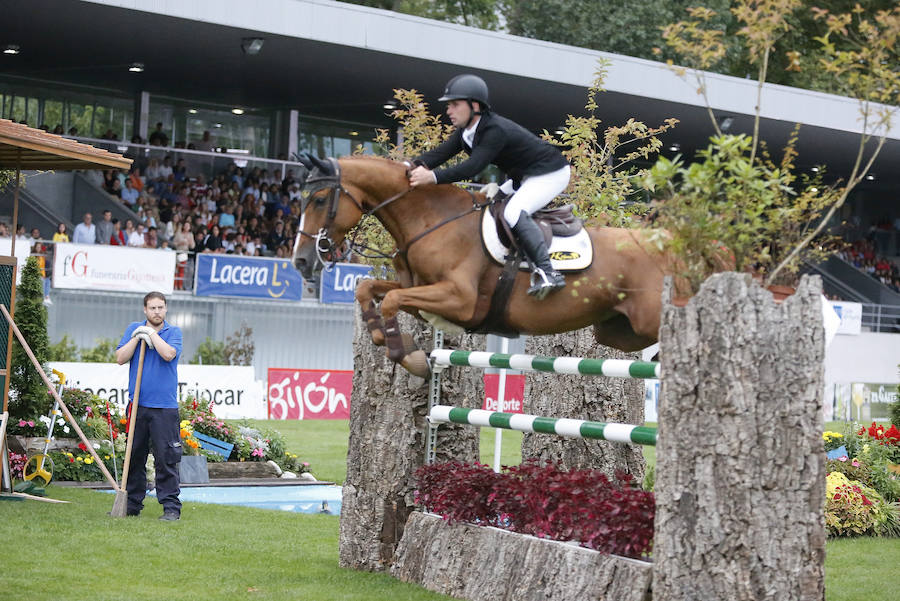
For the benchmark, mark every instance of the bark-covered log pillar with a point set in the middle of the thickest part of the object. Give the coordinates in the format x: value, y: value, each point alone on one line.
x: 388, y: 407
x: 583, y: 397
x: 740, y: 478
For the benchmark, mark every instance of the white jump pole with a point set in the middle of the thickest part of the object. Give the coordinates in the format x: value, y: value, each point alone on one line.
x: 501, y: 396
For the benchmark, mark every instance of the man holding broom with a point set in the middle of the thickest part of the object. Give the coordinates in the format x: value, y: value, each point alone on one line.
x: 153, y: 382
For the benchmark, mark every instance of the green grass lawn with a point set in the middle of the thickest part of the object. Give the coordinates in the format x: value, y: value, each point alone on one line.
x: 76, y: 552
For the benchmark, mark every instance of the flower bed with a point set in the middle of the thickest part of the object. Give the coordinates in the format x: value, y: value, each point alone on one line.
x: 863, y: 494
x: 490, y: 564
x: 250, y: 444
x: 107, y: 429
x: 611, y: 516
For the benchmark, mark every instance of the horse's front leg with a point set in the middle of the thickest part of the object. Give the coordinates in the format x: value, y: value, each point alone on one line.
x: 447, y: 299
x: 367, y: 291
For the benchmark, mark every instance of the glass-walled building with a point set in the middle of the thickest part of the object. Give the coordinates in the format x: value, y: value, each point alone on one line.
x: 85, y: 113
x: 334, y: 138
x: 104, y: 114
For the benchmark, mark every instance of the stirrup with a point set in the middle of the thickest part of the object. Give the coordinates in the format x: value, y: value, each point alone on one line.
x: 543, y: 283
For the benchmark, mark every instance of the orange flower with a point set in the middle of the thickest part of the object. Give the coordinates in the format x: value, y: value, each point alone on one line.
x: 185, y: 433
x: 123, y: 421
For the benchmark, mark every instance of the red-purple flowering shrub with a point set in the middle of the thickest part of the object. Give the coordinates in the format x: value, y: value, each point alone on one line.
x: 460, y: 492
x: 611, y: 516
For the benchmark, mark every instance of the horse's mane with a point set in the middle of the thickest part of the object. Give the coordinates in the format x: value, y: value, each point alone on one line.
x: 371, y: 157
x: 398, y: 169
x: 387, y: 163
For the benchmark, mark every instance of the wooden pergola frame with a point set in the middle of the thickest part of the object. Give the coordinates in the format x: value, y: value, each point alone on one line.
x: 29, y: 149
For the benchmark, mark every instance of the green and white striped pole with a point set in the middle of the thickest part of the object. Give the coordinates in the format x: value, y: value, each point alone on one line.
x: 614, y: 368
x: 573, y: 428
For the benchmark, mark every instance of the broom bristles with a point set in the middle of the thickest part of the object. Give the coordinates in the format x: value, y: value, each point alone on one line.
x: 120, y: 504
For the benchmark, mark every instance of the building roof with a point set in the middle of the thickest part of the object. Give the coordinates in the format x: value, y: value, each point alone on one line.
x: 27, y: 148
x: 341, y: 62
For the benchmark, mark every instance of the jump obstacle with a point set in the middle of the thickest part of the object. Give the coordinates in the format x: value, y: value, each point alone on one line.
x: 704, y: 545
x: 442, y: 358
x: 611, y: 368
x: 572, y: 428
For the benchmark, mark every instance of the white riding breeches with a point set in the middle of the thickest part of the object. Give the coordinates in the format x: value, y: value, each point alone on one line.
x: 535, y: 193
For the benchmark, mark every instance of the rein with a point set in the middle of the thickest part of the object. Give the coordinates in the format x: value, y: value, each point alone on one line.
x: 475, y: 208
x: 318, y: 180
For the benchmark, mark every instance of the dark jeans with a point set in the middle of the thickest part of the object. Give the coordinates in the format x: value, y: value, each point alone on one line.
x: 161, y: 429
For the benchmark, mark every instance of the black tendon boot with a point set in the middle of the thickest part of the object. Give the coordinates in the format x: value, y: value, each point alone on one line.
x: 544, y: 279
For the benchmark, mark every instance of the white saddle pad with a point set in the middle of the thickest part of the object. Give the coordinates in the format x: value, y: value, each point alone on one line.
x: 571, y: 253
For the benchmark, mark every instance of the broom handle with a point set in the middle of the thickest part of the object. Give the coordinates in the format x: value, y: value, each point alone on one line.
x: 62, y: 405
x: 132, y: 419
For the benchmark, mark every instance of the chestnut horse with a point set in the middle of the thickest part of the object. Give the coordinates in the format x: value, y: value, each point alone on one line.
x: 442, y: 268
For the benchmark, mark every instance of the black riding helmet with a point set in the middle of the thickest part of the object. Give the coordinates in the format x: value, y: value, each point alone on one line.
x: 467, y: 87
x: 470, y: 88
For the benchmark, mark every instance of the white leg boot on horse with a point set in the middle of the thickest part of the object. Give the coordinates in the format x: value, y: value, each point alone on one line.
x: 544, y: 279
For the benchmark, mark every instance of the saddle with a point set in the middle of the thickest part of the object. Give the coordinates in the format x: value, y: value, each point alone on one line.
x: 553, y: 221
x: 569, y: 245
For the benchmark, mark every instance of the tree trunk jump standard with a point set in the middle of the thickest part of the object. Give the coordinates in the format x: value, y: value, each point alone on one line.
x: 388, y: 406
x: 740, y: 479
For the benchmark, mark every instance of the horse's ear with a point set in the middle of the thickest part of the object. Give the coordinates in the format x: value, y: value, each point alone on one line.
x: 324, y: 166
x: 304, y: 159
x: 313, y: 162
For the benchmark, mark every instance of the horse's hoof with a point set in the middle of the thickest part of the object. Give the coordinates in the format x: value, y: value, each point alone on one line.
x: 416, y: 363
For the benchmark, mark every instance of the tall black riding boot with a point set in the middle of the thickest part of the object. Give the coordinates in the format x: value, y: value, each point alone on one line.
x: 544, y: 279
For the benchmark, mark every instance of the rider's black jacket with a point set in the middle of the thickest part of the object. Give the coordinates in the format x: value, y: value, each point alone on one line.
x: 506, y: 144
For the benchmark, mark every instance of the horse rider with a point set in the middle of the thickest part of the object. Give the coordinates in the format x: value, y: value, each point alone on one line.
x: 537, y: 170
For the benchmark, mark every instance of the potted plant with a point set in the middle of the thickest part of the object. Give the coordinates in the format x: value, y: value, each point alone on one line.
x: 193, y: 468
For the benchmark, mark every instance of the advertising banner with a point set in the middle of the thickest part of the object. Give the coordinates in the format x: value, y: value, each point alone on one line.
x: 233, y: 390
x: 309, y: 393
x: 247, y: 277
x: 117, y: 268
x: 851, y: 317
x: 23, y: 250
x: 873, y: 401
x: 861, y: 401
x: 513, y: 396
x: 339, y: 283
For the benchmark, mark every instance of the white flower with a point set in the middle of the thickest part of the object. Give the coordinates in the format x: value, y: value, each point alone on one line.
x: 45, y: 419
x: 60, y: 422
x: 66, y: 429
x: 96, y: 445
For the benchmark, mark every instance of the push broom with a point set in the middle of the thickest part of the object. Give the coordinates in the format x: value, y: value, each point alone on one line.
x: 121, y: 503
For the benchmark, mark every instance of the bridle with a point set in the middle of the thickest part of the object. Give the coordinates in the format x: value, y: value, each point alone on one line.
x: 319, y: 179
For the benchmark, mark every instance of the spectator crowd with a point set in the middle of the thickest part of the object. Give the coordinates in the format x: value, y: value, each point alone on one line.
x: 863, y: 255
x: 252, y: 213
x: 243, y: 212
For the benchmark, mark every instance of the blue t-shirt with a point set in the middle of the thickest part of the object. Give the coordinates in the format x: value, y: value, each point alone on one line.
x: 159, y: 379
x: 226, y: 220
